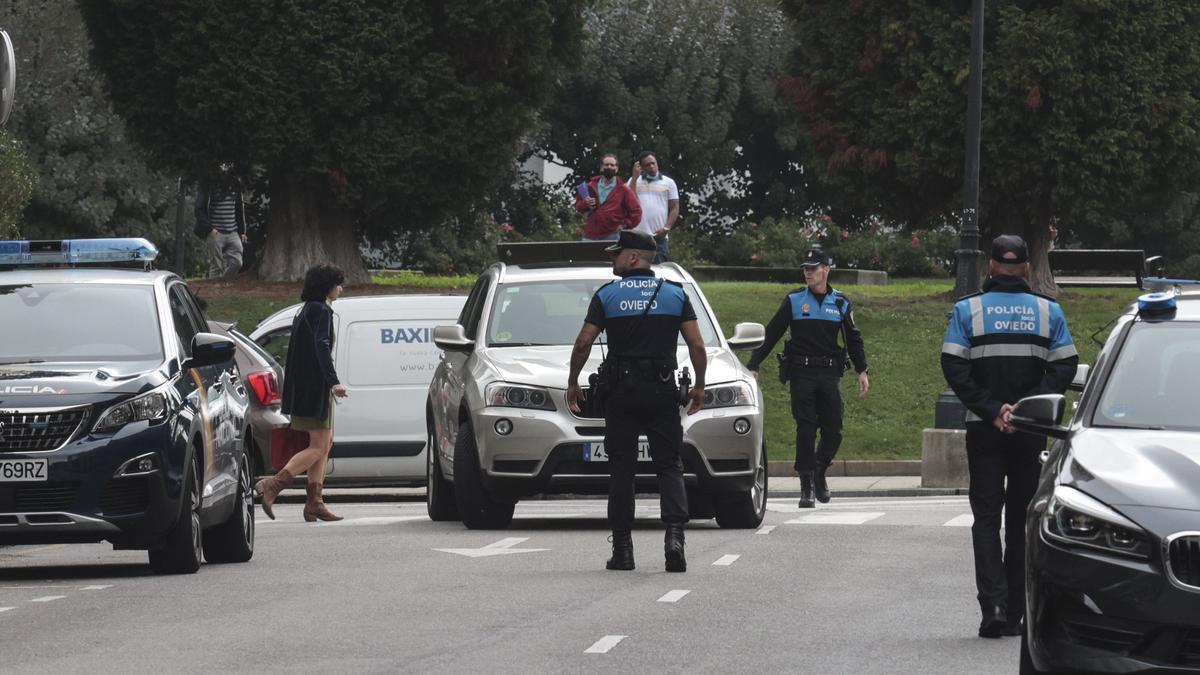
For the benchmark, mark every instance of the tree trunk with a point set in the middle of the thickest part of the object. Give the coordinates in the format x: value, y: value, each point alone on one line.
x: 1041, y: 277
x: 306, y: 226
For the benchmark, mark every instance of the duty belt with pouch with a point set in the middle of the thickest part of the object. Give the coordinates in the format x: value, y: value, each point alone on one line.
x: 787, y: 362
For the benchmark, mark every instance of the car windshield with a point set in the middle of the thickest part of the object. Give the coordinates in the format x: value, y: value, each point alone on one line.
x: 545, y: 313
x: 1154, y: 379
x: 71, y: 323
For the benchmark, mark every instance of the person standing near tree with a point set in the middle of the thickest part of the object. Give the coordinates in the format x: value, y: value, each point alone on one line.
x: 659, y: 199
x: 221, y: 209
x: 610, y: 205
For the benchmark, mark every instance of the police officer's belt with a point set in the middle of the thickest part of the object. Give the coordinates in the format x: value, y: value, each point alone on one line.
x: 654, y: 369
x: 813, y: 361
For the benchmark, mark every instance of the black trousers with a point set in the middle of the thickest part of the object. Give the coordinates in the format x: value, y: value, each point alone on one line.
x: 1004, y: 475
x: 638, y: 406
x: 816, y: 404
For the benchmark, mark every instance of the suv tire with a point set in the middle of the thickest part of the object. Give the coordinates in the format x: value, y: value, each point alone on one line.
x: 233, y: 540
x: 701, y: 504
x: 745, y: 510
x: 439, y: 492
x: 479, y: 511
x: 181, y: 549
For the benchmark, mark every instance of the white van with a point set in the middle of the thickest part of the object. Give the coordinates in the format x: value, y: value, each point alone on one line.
x: 384, y: 354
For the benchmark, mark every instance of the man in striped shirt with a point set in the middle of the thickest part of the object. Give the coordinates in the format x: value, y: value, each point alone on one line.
x: 219, y: 205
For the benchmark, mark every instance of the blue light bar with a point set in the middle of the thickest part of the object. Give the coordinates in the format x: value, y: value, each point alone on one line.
x: 77, y: 252
x: 1154, y: 303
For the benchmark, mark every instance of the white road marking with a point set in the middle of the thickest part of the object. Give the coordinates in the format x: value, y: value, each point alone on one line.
x: 95, y: 588
x: 765, y: 529
x: 965, y: 520
x: 502, y: 547
x: 604, y: 644
x: 374, y: 520
x: 48, y: 598
x: 673, y: 596
x: 836, y: 518
x: 727, y: 560
x: 5, y: 609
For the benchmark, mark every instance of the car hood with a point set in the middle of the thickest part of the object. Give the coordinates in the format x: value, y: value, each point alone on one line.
x: 549, y: 366
x: 1137, y: 468
x: 57, y: 384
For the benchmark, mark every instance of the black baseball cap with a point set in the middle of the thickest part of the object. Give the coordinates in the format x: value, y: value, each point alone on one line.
x: 633, y: 239
x: 815, y: 258
x: 1011, y: 249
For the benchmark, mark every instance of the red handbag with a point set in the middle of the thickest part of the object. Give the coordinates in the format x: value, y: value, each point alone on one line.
x: 285, y: 443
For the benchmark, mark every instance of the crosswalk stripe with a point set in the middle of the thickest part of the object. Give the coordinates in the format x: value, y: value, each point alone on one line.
x: 5, y: 609
x: 765, y: 529
x: 673, y: 596
x: 727, y: 560
x: 604, y: 644
x: 836, y: 518
x: 965, y: 520
x: 48, y: 598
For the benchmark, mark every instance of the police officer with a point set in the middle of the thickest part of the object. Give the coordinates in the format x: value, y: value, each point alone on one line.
x: 1003, y: 344
x: 813, y: 362
x: 643, y: 316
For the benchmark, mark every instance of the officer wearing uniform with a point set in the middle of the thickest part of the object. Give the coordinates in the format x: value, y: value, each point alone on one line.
x: 1003, y: 344
x: 643, y: 316
x: 813, y: 363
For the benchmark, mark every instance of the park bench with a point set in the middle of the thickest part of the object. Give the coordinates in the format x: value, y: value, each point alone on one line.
x: 1094, y: 268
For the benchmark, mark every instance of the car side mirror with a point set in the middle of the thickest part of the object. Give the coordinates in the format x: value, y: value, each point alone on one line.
x: 1041, y: 415
x: 452, y: 338
x: 209, y: 349
x: 747, y: 336
x: 1081, y: 377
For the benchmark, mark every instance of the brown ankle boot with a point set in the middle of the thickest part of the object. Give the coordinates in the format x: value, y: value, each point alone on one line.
x: 314, y: 508
x: 269, y: 489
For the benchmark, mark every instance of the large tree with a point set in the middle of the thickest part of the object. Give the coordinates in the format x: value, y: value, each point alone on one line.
x: 1087, y: 105
x: 380, y: 114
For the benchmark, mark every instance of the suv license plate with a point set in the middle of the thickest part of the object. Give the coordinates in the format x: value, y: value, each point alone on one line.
x: 25, y: 470
x: 594, y: 452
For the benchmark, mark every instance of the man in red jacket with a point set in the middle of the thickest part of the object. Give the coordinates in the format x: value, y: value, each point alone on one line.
x: 610, y: 204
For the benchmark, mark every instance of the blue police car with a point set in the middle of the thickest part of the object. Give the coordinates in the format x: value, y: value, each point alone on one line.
x: 121, y: 418
x: 1113, y: 532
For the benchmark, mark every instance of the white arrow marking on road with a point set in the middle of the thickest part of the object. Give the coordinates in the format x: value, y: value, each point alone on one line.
x: 502, y: 547
x: 765, y: 529
x: 965, y: 520
x: 48, y: 598
x: 95, y: 588
x: 604, y: 644
x: 727, y: 560
x: 837, y: 518
x: 673, y: 596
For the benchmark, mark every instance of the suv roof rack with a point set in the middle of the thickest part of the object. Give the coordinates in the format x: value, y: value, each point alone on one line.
x: 553, y: 253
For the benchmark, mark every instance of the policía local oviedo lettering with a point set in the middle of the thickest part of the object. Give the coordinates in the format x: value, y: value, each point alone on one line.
x: 1024, y: 322
x: 636, y: 305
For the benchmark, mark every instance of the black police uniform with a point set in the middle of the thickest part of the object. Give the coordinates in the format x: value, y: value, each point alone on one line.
x: 1001, y: 345
x: 645, y: 397
x: 813, y: 363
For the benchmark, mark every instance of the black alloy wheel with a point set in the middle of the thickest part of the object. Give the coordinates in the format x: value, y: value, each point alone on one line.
x: 233, y: 540
x: 182, y: 550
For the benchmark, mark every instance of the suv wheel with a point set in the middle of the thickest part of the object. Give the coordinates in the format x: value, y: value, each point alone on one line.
x: 700, y: 504
x: 479, y: 511
x: 744, y: 510
x: 181, y: 550
x: 233, y: 540
x: 439, y: 492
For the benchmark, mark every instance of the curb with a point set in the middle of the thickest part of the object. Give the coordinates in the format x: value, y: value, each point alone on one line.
x: 891, y: 492
x: 853, y: 467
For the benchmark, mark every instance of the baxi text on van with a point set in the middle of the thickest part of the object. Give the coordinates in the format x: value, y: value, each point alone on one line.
x: 389, y: 336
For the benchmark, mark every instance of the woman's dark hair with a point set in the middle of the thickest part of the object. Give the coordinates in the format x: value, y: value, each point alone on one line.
x: 319, y: 280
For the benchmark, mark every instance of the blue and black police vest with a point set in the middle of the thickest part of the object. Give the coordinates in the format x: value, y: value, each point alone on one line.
x: 656, y: 336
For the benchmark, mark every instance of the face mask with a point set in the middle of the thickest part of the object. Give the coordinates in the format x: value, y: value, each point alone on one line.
x: 608, y: 173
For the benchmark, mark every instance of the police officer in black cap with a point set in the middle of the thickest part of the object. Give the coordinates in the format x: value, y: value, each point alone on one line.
x: 813, y: 363
x: 643, y: 316
x: 1003, y: 344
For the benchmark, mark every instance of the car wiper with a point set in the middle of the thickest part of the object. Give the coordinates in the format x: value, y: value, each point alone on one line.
x: 15, y: 363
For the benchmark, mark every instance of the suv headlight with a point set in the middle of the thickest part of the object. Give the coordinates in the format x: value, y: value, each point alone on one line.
x: 728, y: 395
x: 518, y: 396
x: 1080, y: 520
x: 151, y: 407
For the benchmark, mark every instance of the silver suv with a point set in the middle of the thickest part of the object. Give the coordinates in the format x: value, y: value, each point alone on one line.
x: 498, y: 423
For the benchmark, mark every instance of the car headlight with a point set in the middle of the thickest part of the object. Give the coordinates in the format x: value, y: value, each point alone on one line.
x: 1075, y: 518
x: 147, y: 407
x: 728, y: 395
x: 518, y: 396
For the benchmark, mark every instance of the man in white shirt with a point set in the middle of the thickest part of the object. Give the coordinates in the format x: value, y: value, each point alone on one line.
x: 659, y: 197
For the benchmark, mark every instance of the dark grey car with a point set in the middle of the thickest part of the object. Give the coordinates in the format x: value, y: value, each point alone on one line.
x: 262, y: 376
x: 1113, y: 532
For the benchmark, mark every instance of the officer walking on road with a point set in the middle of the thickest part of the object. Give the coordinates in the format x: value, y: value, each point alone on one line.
x: 813, y: 363
x: 1003, y: 344
x: 643, y: 316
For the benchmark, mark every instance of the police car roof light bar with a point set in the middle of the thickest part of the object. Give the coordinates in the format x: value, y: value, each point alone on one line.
x: 1156, y: 303
x: 71, y: 252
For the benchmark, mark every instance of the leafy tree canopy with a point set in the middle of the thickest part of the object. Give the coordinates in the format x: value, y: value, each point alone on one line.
x: 16, y: 185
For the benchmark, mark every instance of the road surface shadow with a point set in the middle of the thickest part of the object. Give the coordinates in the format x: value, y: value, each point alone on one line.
x: 89, y: 571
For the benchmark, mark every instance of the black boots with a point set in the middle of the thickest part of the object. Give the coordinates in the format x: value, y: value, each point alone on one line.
x: 822, y: 487
x: 622, y: 556
x: 994, y: 623
x: 673, y: 548
x: 806, y: 490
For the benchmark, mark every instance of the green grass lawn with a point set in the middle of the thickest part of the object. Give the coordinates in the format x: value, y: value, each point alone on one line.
x: 902, y: 324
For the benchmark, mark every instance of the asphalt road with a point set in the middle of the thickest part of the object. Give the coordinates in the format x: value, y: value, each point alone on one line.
x: 859, y: 586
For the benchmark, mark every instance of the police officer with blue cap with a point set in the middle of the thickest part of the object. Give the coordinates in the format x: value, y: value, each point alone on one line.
x: 1003, y: 344
x: 812, y: 364
x: 643, y: 317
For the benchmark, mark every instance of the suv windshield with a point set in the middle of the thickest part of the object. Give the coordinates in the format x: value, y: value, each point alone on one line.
x: 546, y: 313
x: 65, y: 323
x: 1154, y: 379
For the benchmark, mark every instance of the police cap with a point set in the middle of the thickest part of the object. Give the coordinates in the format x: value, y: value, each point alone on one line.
x: 815, y: 258
x: 1011, y: 249
x: 633, y: 239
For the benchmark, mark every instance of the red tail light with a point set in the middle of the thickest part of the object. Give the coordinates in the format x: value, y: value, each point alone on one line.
x: 266, y: 388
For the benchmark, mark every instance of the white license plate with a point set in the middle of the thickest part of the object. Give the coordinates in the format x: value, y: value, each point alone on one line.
x: 594, y: 452
x: 14, y: 470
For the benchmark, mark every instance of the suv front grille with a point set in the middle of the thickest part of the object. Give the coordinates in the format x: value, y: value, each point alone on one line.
x: 1184, y: 558
x: 38, y: 431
